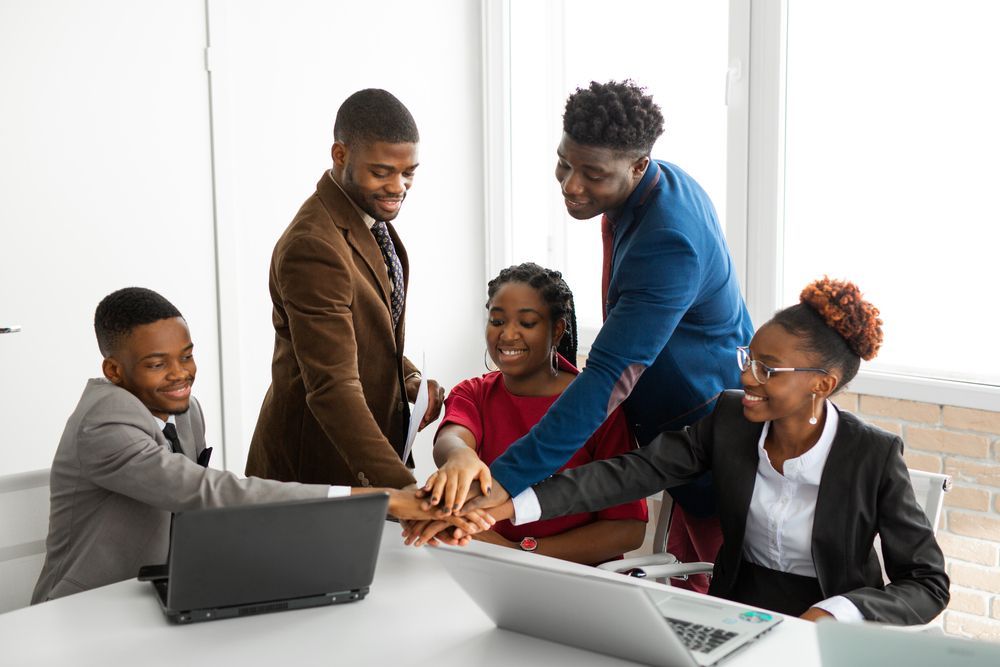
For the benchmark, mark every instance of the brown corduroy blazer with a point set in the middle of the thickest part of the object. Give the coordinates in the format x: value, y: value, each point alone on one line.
x: 336, y: 411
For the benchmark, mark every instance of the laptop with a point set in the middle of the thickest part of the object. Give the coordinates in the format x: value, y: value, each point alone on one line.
x: 851, y: 644
x: 252, y: 559
x: 611, y: 614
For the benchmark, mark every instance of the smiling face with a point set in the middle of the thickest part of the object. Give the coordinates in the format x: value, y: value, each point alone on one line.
x: 520, y: 333
x: 155, y: 362
x: 787, y: 394
x: 376, y: 175
x: 595, y: 180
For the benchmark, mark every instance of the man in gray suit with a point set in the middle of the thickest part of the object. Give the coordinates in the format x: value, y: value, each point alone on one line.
x: 134, y: 451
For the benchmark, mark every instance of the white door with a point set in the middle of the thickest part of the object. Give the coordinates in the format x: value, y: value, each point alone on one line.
x: 105, y: 182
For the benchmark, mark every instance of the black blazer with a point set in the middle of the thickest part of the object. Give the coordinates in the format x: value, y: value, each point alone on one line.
x: 864, y: 490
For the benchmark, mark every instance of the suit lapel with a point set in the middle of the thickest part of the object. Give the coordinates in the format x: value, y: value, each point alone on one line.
x: 356, y: 232
x: 745, y: 479
x: 186, y: 436
x: 830, y: 521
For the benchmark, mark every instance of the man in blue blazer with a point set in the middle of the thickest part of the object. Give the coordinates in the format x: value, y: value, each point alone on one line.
x: 673, y: 310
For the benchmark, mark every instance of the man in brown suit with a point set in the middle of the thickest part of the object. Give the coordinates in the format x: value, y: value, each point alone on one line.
x: 336, y: 411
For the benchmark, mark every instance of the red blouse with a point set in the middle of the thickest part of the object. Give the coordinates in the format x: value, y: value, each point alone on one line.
x: 497, y: 418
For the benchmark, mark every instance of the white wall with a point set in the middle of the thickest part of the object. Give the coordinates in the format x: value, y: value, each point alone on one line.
x: 105, y: 182
x: 279, y: 74
x: 106, y: 151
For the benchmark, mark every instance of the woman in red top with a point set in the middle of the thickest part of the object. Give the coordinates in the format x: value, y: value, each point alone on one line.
x: 529, y: 325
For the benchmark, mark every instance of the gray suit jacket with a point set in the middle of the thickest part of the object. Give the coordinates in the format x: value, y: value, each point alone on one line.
x: 114, y: 483
x: 864, y: 490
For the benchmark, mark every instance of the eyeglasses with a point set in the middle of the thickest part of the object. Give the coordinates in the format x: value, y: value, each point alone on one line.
x: 762, y: 372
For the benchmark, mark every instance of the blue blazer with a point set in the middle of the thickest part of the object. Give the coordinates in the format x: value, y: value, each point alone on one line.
x: 668, y: 345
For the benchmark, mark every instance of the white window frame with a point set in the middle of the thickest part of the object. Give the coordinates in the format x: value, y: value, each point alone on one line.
x: 755, y: 96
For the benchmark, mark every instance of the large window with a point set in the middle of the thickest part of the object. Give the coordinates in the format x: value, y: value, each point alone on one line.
x: 854, y: 139
x: 891, y: 145
x: 676, y: 48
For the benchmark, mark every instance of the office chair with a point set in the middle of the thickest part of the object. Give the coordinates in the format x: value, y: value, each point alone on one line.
x: 928, y: 487
x: 24, y: 524
x: 660, y: 565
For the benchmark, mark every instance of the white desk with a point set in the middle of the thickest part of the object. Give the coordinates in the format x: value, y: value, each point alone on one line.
x: 415, y: 615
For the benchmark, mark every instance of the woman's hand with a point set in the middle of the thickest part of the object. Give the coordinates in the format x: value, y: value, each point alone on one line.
x: 405, y: 504
x: 449, y: 530
x: 432, y: 532
x: 493, y: 537
x: 448, y: 488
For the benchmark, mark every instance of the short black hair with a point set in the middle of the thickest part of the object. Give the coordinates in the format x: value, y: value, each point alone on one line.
x: 556, y: 293
x: 617, y: 115
x: 122, y: 311
x: 371, y: 115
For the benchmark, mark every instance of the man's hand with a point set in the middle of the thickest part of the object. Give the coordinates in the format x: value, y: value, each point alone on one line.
x: 447, y: 531
x: 496, y: 497
x: 404, y: 504
x: 435, y: 398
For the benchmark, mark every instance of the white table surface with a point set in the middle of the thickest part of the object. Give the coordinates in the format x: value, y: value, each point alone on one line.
x: 415, y: 614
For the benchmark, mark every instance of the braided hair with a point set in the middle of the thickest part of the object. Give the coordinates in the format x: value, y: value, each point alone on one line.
x: 836, y: 324
x: 555, y: 292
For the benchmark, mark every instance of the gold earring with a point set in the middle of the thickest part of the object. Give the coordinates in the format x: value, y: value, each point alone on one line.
x: 813, y: 420
x: 486, y: 361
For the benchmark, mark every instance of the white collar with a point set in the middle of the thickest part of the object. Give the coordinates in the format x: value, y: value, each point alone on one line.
x: 170, y: 420
x: 367, y: 219
x: 808, y: 467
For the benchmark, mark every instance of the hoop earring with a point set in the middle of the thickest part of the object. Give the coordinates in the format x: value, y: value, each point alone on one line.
x: 813, y: 420
x: 555, y: 362
x: 486, y: 361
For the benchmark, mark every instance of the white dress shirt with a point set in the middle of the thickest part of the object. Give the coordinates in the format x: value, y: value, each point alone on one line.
x: 780, y: 520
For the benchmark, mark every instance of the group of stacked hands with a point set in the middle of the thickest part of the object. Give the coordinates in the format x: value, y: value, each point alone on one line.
x: 775, y: 485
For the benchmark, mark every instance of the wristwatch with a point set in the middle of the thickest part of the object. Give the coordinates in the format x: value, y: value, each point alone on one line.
x: 529, y: 544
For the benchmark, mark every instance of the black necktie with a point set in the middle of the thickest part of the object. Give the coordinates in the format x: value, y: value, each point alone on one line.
x: 170, y: 432
x: 393, y: 266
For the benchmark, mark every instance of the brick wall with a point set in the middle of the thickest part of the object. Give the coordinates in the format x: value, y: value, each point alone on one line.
x: 965, y: 444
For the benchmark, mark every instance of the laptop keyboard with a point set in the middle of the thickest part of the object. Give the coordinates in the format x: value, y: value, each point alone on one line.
x: 700, y: 638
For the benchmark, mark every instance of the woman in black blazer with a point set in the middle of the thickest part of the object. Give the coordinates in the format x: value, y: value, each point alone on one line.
x: 803, y: 488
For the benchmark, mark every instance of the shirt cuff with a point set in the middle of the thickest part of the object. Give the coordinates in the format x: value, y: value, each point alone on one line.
x: 338, y: 491
x: 526, y: 507
x: 842, y: 609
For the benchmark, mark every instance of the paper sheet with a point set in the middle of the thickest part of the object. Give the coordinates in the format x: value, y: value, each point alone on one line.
x: 417, y: 412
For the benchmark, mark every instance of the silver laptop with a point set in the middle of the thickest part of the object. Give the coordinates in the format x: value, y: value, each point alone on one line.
x: 611, y: 614
x: 253, y: 559
x: 849, y: 645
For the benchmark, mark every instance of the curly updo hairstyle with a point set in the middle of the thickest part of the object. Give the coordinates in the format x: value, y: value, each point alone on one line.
x: 836, y: 324
x: 553, y: 290
x: 613, y: 115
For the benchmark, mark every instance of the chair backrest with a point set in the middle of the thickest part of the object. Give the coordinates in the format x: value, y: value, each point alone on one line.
x: 663, y: 523
x: 930, y: 487
x: 24, y: 524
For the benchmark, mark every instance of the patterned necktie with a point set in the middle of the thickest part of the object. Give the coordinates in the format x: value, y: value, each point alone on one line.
x: 170, y: 432
x: 394, y: 268
x: 608, y: 239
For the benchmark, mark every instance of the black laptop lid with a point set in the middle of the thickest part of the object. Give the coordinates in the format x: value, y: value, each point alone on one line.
x: 259, y: 553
